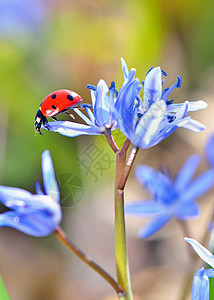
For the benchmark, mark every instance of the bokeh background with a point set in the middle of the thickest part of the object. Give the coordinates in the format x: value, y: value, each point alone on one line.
x: 47, y: 45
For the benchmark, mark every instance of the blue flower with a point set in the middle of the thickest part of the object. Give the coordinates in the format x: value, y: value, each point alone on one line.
x: 201, y: 286
x: 98, y: 122
x: 36, y: 215
x: 146, y: 123
x: 171, y: 198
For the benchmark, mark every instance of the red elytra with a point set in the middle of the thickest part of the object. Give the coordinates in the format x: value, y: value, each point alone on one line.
x: 59, y: 101
x: 56, y: 102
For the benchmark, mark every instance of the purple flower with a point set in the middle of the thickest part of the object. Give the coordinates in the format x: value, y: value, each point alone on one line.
x: 146, y: 123
x: 36, y: 215
x: 201, y: 286
x: 98, y: 121
x: 171, y: 198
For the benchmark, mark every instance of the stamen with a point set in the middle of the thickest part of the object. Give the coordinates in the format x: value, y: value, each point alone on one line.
x: 113, y: 88
x: 163, y: 73
x: 169, y: 102
x: 171, y: 118
x: 169, y: 90
x: 91, y: 87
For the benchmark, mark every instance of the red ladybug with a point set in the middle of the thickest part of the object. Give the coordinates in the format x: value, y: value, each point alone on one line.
x: 55, y: 103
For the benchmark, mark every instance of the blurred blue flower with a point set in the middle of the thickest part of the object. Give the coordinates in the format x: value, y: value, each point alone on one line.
x: 98, y: 121
x: 146, y: 123
x: 171, y: 198
x: 18, y: 16
x: 201, y: 285
x: 209, y: 150
x: 36, y: 215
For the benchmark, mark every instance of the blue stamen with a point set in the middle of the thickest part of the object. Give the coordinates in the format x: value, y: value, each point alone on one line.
x: 169, y: 90
x: 113, y: 88
x: 149, y: 70
x: 91, y: 87
x: 169, y: 102
x: 163, y: 73
x: 171, y: 118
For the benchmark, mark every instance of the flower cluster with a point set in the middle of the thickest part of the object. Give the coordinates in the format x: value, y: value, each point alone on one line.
x: 201, y: 285
x: 171, y: 198
x: 36, y: 215
x: 145, y: 123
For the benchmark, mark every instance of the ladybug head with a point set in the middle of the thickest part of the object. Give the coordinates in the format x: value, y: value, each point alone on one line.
x: 40, y: 119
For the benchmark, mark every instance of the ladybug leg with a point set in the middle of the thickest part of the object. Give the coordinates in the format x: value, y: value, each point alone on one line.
x: 55, y: 119
x: 83, y: 105
x: 72, y: 116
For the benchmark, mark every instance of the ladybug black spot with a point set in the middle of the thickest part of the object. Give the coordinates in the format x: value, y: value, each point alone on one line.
x: 53, y: 106
x: 53, y: 96
x: 70, y: 97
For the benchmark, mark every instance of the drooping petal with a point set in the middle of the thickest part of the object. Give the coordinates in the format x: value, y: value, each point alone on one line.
x: 209, y: 150
x: 35, y: 223
x: 14, y: 198
x: 144, y: 208
x: 187, y: 172
x: 72, y: 129
x: 155, y: 182
x: 204, y: 254
x: 49, y: 180
x: 152, y: 90
x: 200, y: 286
x: 154, y: 225
x: 186, y: 211
x: 199, y: 186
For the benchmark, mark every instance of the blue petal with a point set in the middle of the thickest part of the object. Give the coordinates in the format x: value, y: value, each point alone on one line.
x: 149, y: 124
x: 49, y: 180
x: 124, y: 68
x: 210, y: 273
x: 201, y: 286
x: 187, y: 172
x: 14, y: 198
x: 155, y: 182
x: 101, y: 107
x: 186, y: 211
x: 154, y: 225
x: 196, y: 105
x: 209, y: 150
x: 73, y: 129
x: 122, y: 90
x: 193, y: 125
x: 199, y: 186
x: 204, y: 254
x: 152, y: 87
x: 144, y: 208
x: 35, y: 223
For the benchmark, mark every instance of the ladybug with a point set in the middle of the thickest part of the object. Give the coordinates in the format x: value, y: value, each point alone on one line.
x: 55, y: 103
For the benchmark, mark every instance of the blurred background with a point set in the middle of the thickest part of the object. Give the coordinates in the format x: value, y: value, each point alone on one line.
x: 47, y: 45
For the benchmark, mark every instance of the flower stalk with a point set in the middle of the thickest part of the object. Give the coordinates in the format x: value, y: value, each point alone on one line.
x: 62, y: 237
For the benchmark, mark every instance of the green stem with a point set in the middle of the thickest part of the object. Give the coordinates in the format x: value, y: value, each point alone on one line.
x: 123, y: 168
x: 60, y: 234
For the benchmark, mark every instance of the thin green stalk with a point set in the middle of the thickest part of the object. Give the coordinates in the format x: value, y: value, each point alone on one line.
x: 60, y: 234
x: 123, y: 168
